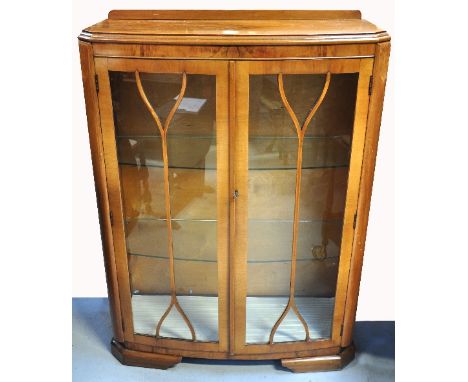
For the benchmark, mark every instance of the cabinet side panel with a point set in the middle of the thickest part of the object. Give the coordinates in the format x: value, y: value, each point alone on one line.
x: 352, y: 198
x: 97, y: 156
x: 367, y: 176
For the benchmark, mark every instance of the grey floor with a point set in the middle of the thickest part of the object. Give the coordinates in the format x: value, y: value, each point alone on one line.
x: 92, y: 360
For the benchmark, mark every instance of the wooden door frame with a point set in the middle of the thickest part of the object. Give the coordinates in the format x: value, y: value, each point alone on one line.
x: 239, y: 182
x: 220, y: 70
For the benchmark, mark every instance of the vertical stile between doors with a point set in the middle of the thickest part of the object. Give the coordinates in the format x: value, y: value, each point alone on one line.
x: 232, y: 204
x: 239, y: 240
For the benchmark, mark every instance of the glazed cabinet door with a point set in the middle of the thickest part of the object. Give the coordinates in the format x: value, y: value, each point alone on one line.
x: 298, y: 147
x: 165, y: 137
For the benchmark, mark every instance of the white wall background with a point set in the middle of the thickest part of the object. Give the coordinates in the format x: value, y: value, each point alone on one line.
x: 376, y: 301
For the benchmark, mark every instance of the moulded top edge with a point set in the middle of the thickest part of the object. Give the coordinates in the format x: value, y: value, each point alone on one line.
x: 235, y: 32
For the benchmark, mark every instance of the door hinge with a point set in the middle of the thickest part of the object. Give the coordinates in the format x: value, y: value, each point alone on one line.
x: 371, y: 84
x: 96, y: 81
x: 111, y: 217
x: 354, y: 221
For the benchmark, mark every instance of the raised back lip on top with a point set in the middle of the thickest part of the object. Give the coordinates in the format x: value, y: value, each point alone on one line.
x: 121, y: 14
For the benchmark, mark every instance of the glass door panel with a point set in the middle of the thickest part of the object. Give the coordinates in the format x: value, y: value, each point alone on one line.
x: 300, y: 134
x: 166, y: 137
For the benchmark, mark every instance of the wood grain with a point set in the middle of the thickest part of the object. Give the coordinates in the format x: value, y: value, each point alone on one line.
x: 244, y: 52
x: 238, y: 27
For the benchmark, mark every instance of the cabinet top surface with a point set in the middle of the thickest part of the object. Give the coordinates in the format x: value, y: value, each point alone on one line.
x: 235, y: 27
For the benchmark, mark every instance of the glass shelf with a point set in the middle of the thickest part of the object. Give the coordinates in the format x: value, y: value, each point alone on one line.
x: 328, y: 259
x: 154, y: 218
x: 151, y: 218
x: 344, y: 137
x: 213, y: 136
x: 161, y: 166
x: 175, y: 258
x: 169, y: 137
x: 294, y: 169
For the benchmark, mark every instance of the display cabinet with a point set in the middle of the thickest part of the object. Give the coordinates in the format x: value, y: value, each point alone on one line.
x: 233, y: 156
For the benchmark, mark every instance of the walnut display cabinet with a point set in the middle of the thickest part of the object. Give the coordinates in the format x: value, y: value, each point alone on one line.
x: 233, y: 156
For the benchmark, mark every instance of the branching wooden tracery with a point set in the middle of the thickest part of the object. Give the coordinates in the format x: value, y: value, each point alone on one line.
x: 300, y: 131
x: 163, y: 131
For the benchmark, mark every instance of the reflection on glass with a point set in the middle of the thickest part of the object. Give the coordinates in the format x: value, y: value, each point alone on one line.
x: 191, y: 154
x: 273, y: 150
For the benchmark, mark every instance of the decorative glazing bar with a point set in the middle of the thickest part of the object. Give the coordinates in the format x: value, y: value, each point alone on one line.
x: 163, y: 131
x: 300, y: 130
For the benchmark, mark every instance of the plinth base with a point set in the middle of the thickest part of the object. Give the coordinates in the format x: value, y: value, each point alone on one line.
x: 143, y: 359
x: 321, y: 363
x: 297, y: 365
